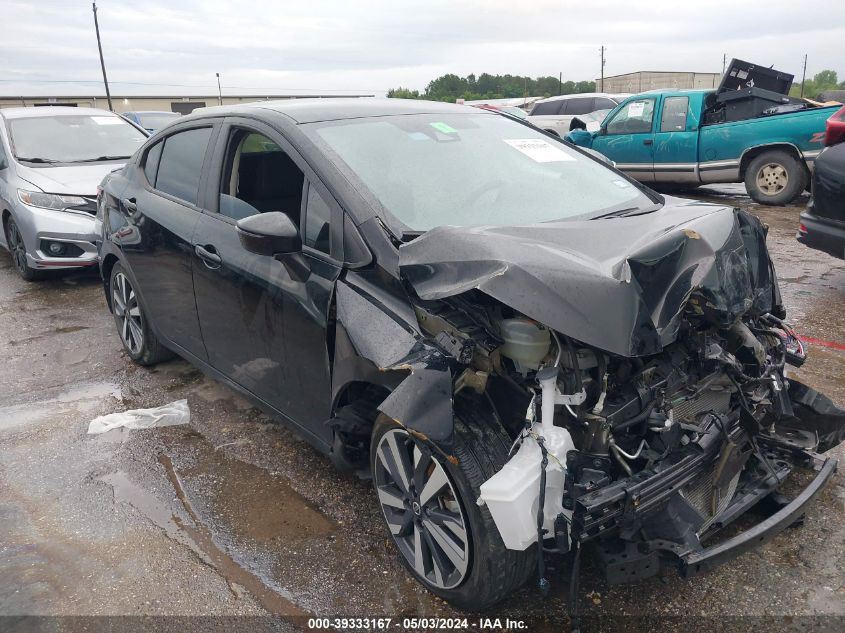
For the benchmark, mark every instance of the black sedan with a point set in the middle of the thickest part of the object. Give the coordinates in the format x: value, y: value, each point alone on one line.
x: 823, y: 222
x: 518, y: 343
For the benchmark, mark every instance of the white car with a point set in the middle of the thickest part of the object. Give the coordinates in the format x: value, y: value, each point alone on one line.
x: 555, y: 113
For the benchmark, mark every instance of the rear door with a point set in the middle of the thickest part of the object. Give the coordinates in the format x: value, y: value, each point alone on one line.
x: 264, y: 320
x: 157, y: 239
x: 627, y: 138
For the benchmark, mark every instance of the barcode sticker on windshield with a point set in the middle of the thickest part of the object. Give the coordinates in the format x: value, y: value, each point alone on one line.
x: 539, y: 150
x: 106, y: 120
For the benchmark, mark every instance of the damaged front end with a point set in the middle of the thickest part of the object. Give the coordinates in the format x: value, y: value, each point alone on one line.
x: 640, y: 368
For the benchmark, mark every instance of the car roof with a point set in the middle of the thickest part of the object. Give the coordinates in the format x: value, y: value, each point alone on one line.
x: 576, y: 95
x: 48, y: 111
x: 674, y: 91
x: 332, y: 109
x: 150, y: 112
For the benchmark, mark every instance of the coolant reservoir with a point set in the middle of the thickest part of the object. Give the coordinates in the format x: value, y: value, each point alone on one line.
x: 513, y: 494
x: 526, y: 342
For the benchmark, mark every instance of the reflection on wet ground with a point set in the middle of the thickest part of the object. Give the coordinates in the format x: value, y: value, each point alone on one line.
x: 237, y: 515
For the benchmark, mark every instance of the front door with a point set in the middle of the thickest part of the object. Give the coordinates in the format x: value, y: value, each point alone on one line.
x: 264, y: 323
x: 627, y: 139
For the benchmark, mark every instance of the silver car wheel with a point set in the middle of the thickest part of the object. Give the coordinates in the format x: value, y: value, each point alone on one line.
x: 127, y: 313
x: 17, y: 247
x: 422, y: 510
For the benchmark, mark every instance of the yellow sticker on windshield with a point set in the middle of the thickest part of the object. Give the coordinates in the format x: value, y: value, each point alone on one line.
x: 443, y: 127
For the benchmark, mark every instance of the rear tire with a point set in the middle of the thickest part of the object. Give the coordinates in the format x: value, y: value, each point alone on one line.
x: 775, y: 177
x: 481, y: 446
x: 133, y: 327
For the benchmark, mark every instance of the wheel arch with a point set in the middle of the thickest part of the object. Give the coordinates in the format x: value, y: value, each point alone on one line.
x: 105, y: 270
x: 751, y: 153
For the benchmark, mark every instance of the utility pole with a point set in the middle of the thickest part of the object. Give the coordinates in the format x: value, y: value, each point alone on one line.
x: 102, y: 63
x: 724, y: 62
x: 219, y: 92
x: 560, y: 83
x: 804, y: 75
x: 602, y: 70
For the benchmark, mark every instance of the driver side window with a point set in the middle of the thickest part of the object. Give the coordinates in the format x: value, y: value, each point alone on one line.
x: 259, y: 176
x: 635, y: 117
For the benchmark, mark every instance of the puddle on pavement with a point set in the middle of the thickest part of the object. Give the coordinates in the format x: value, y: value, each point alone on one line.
x: 81, y: 400
x: 252, y: 503
x: 284, y: 510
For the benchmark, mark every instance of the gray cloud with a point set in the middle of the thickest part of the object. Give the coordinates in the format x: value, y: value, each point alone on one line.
x: 373, y: 45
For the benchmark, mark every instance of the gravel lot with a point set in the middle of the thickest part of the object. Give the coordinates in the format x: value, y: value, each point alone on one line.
x: 235, y: 515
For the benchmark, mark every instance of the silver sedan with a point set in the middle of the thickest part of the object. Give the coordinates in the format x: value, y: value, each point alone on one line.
x: 52, y: 160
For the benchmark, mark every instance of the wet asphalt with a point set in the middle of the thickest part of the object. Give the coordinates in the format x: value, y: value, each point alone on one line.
x: 235, y: 515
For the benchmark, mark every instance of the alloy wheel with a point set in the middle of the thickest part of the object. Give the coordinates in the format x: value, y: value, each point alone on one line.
x: 422, y: 510
x: 17, y: 247
x: 772, y: 178
x: 127, y: 313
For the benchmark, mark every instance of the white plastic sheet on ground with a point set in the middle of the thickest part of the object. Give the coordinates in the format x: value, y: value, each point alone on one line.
x: 165, y: 415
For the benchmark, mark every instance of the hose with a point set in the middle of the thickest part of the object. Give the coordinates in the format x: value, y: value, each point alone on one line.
x: 640, y: 417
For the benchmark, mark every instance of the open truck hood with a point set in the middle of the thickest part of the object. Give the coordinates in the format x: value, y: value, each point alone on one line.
x: 619, y: 284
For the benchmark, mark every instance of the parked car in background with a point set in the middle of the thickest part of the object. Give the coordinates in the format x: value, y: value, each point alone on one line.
x: 823, y: 222
x: 51, y: 161
x: 555, y: 113
x: 151, y: 120
x: 519, y: 113
x: 347, y: 266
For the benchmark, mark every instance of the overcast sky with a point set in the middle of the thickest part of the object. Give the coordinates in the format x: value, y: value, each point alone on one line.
x: 319, y: 46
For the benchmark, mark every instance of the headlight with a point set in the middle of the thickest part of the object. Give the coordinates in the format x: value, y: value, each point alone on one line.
x: 50, y: 200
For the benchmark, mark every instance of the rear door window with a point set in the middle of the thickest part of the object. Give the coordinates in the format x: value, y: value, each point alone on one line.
x: 547, y: 108
x: 674, y: 118
x: 603, y: 103
x: 583, y: 105
x: 180, y: 166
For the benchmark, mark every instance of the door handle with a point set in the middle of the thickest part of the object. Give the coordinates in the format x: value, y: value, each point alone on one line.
x: 129, y: 204
x: 208, y: 256
x: 648, y: 141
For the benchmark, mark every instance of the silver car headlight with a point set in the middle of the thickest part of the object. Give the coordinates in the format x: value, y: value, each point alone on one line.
x: 50, y: 200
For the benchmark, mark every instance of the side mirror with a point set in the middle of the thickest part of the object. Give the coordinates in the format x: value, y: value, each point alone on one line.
x: 272, y: 233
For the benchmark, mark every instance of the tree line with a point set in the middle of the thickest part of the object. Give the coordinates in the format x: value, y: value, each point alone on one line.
x: 450, y: 87
x: 824, y: 80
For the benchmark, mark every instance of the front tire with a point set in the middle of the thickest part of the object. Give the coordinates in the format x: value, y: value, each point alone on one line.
x: 775, y: 178
x: 447, y: 542
x: 17, y: 249
x: 133, y: 327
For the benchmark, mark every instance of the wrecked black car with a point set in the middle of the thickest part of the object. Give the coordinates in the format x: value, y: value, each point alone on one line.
x: 526, y: 350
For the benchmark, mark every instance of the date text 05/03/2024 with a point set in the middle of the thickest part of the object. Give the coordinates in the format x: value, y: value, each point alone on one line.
x: 433, y: 624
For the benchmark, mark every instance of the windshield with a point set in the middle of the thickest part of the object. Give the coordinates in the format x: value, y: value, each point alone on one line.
x: 72, y: 138
x: 156, y: 120
x: 471, y: 169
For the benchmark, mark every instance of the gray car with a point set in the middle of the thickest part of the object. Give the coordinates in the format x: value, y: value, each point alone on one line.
x: 51, y: 161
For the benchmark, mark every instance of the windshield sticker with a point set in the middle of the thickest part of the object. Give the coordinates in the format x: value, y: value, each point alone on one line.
x: 636, y: 109
x: 539, y: 150
x: 106, y: 120
x: 621, y: 184
x: 443, y: 127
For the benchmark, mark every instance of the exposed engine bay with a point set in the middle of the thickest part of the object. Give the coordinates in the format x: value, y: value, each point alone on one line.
x: 644, y: 456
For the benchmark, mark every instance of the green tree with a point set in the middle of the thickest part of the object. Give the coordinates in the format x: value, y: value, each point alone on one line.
x: 450, y: 87
x: 821, y: 81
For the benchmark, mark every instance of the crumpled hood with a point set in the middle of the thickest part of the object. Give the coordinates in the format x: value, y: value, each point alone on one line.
x: 620, y: 284
x: 76, y: 180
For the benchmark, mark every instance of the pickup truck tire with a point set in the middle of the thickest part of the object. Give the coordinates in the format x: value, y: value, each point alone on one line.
x: 481, y: 447
x: 775, y: 177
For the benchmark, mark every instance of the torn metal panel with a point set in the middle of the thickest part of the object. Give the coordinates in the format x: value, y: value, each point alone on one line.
x: 817, y: 414
x: 621, y: 285
x: 423, y: 400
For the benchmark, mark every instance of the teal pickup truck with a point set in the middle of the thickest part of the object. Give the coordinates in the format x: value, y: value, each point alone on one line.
x: 686, y: 138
